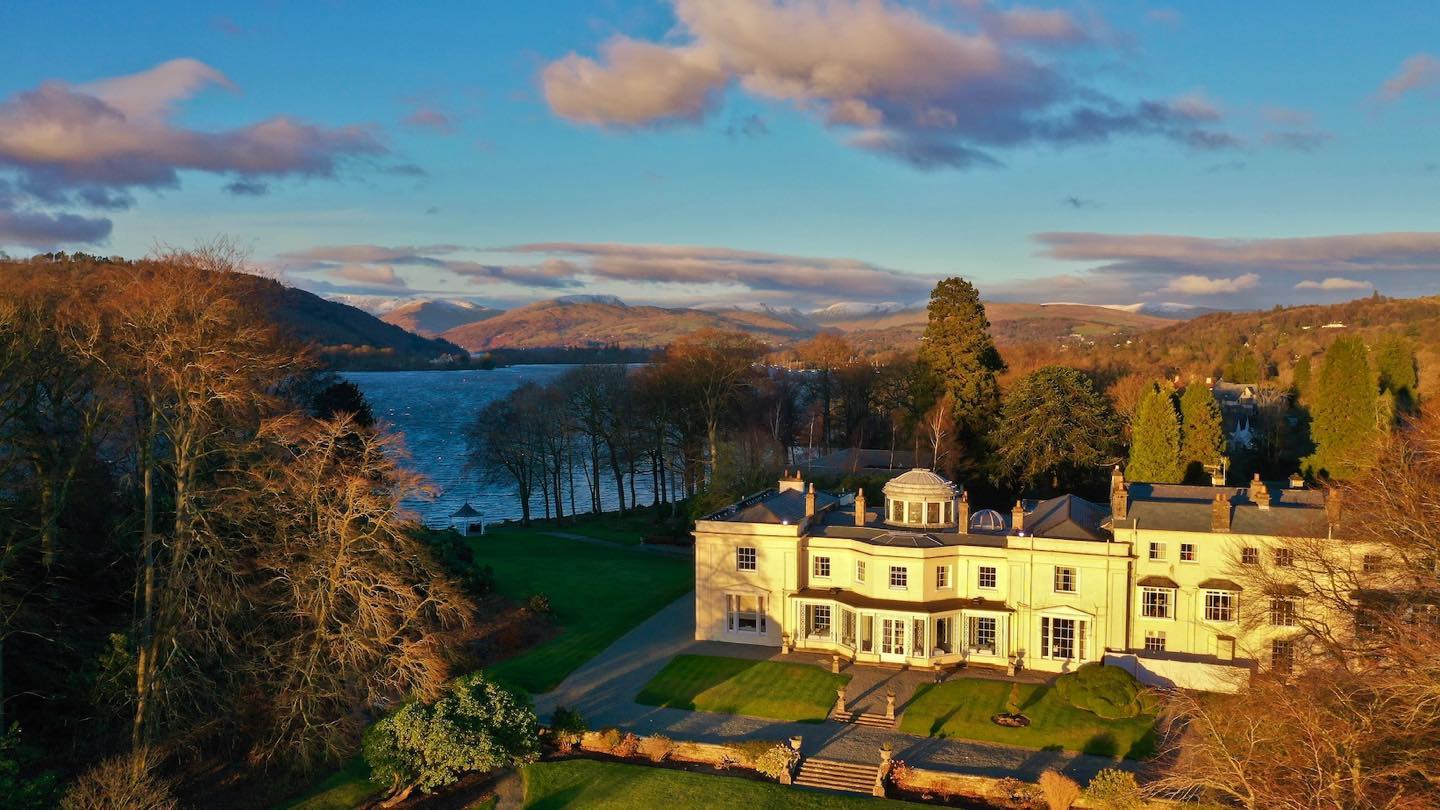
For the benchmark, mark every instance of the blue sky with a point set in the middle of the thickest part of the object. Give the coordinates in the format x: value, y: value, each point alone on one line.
x: 794, y: 153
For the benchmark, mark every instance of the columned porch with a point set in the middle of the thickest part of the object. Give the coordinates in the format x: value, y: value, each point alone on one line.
x: 882, y: 631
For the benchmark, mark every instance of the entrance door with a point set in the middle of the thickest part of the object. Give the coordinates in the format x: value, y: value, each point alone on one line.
x: 892, y: 639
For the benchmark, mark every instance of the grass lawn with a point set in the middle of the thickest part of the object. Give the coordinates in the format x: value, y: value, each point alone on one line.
x: 797, y: 692
x: 581, y: 783
x: 963, y: 707
x: 345, y: 789
x: 610, y: 526
x: 596, y: 595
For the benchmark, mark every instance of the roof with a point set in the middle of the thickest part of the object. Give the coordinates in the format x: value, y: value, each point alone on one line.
x: 1066, y: 517
x: 1157, y: 582
x: 1220, y: 585
x: 863, y: 602
x: 786, y: 507
x: 920, y: 484
x: 907, y: 540
x: 1186, y: 508
x: 466, y: 511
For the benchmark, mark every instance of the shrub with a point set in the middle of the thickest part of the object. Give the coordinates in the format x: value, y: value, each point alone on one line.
x: 22, y: 784
x: 657, y: 747
x: 1113, y: 789
x: 1019, y: 794
x: 1109, y: 692
x: 538, y: 604
x: 747, y: 751
x: 476, y: 725
x: 1060, y: 791
x: 1012, y: 703
x: 609, y: 739
x: 627, y: 746
x: 117, y: 782
x: 777, y: 760
x: 566, y: 726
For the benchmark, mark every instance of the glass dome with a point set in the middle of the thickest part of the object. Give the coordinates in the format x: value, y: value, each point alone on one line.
x: 920, y: 499
x: 987, y: 521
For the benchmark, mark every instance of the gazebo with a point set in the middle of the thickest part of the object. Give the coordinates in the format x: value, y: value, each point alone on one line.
x: 468, y: 521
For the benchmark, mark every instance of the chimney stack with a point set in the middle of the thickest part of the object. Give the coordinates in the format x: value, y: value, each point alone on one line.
x: 810, y: 500
x: 1119, y: 495
x: 860, y: 506
x: 963, y: 513
x: 1332, y: 506
x: 1017, y: 518
x: 1220, y: 514
x: 1259, y: 493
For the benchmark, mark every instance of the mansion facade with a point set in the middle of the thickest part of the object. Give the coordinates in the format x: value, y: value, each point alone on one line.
x: 1148, y: 581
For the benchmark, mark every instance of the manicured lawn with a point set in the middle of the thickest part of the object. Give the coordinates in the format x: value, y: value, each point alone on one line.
x: 596, y: 594
x: 963, y: 708
x: 345, y: 789
x: 797, y: 692
x: 580, y: 783
x: 610, y: 526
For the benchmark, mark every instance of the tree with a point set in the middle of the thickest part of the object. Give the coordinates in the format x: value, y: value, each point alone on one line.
x: 1395, y: 367
x: 1302, y: 379
x: 826, y: 354
x: 1242, y: 366
x: 503, y: 443
x: 344, y: 397
x: 957, y: 346
x: 124, y: 781
x: 1202, y: 432
x: 477, y: 725
x: 716, y: 364
x: 1155, y: 438
x: 1343, y: 424
x: 1056, y: 430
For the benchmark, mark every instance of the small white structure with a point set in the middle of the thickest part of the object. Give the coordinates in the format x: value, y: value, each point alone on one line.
x: 468, y: 521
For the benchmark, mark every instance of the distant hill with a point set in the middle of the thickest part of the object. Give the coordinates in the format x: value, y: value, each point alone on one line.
x: 430, y: 318
x: 1010, y: 323
x: 589, y: 322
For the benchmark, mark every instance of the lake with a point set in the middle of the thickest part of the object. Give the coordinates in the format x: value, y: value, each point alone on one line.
x: 431, y: 409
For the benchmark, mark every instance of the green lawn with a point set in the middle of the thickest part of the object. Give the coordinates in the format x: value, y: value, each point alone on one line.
x: 345, y: 789
x: 629, y: 530
x: 963, y: 708
x: 596, y: 594
x: 797, y: 692
x: 581, y: 783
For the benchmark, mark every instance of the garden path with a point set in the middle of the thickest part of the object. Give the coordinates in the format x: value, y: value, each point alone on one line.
x: 604, y: 691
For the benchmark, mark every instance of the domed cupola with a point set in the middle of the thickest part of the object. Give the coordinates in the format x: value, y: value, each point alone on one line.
x: 920, y: 499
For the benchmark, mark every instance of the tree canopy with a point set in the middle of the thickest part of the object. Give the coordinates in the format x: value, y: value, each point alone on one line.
x: 1056, y: 430
x: 1155, y: 438
x: 1202, y: 432
x: 957, y: 346
x: 1343, y: 411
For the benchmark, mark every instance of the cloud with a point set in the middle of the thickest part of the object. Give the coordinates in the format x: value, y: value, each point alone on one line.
x: 1167, y: 17
x: 1204, y: 285
x: 751, y: 126
x: 1417, y: 73
x: 333, y: 258
x: 1333, y: 283
x: 248, y: 188
x: 373, y: 275
x: 902, y: 85
x: 37, y: 229
x: 425, y: 116
x: 119, y: 133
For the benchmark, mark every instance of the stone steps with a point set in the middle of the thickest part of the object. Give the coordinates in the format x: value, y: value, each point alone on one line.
x: 831, y: 774
x: 872, y: 719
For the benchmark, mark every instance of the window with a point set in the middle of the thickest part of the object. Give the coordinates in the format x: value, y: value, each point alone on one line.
x: 942, y: 635
x: 821, y: 567
x: 745, y: 558
x: 899, y: 577
x: 1371, y: 564
x: 744, y: 614
x: 1154, y: 641
x: 988, y: 576
x: 897, y: 512
x: 817, y: 621
x: 1249, y: 556
x: 847, y: 628
x: 932, y: 513
x: 867, y: 632
x: 1282, y: 655
x: 1284, y: 557
x: 1155, y: 603
x: 982, y: 634
x: 1062, y: 639
x: 1219, y: 606
x: 913, y: 510
x: 1064, y: 579
x: 859, y: 570
x: 942, y: 576
x: 1187, y: 552
x: 1282, y: 611
x: 917, y: 638
x: 1157, y: 551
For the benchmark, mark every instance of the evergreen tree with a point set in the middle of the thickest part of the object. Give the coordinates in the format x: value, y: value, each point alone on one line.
x: 1202, y: 432
x: 1155, y: 438
x: 1302, y: 379
x: 1343, y: 410
x: 1242, y: 366
x: 1395, y: 365
x: 958, y: 347
x: 1056, y: 431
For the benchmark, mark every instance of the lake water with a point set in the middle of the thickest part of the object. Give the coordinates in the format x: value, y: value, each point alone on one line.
x: 431, y: 409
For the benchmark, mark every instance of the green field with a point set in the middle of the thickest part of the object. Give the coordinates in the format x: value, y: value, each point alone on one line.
x: 579, y: 783
x: 963, y: 707
x: 596, y: 595
x: 797, y: 692
x: 611, y: 527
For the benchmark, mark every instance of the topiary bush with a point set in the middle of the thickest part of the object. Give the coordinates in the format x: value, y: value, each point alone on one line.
x: 1113, y: 789
x: 777, y: 760
x: 1109, y: 692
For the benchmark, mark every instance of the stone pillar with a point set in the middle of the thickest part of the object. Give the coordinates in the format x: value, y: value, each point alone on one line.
x: 890, y: 703
x: 1017, y: 518
x: 840, y: 700
x: 835, y: 664
x: 882, y: 772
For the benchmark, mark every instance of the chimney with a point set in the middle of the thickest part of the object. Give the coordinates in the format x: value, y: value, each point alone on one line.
x: 963, y: 513
x: 1297, y: 481
x: 1332, y: 506
x: 1217, y: 475
x: 1017, y: 518
x: 810, y: 500
x: 859, y: 506
x: 1259, y: 493
x: 1220, y: 513
x: 792, y: 481
x: 1119, y: 495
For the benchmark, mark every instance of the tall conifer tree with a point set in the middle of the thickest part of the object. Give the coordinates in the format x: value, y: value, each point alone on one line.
x: 1202, y: 433
x: 958, y: 348
x: 1343, y: 411
x: 1155, y: 439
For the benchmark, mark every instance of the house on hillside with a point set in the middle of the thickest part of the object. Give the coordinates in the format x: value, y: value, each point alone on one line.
x: 1146, y: 581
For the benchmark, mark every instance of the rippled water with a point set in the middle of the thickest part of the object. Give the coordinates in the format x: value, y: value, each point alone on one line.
x: 431, y: 409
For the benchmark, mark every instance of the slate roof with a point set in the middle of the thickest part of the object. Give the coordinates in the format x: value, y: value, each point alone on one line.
x: 856, y: 600
x: 1066, y: 517
x: 466, y: 511
x: 1186, y: 508
x: 774, y: 507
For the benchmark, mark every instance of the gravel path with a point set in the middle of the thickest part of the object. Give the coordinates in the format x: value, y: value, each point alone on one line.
x: 604, y: 690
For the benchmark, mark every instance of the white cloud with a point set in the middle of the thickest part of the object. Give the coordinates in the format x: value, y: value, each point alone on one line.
x: 1204, y: 285
x: 1419, y: 72
x: 1333, y: 283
